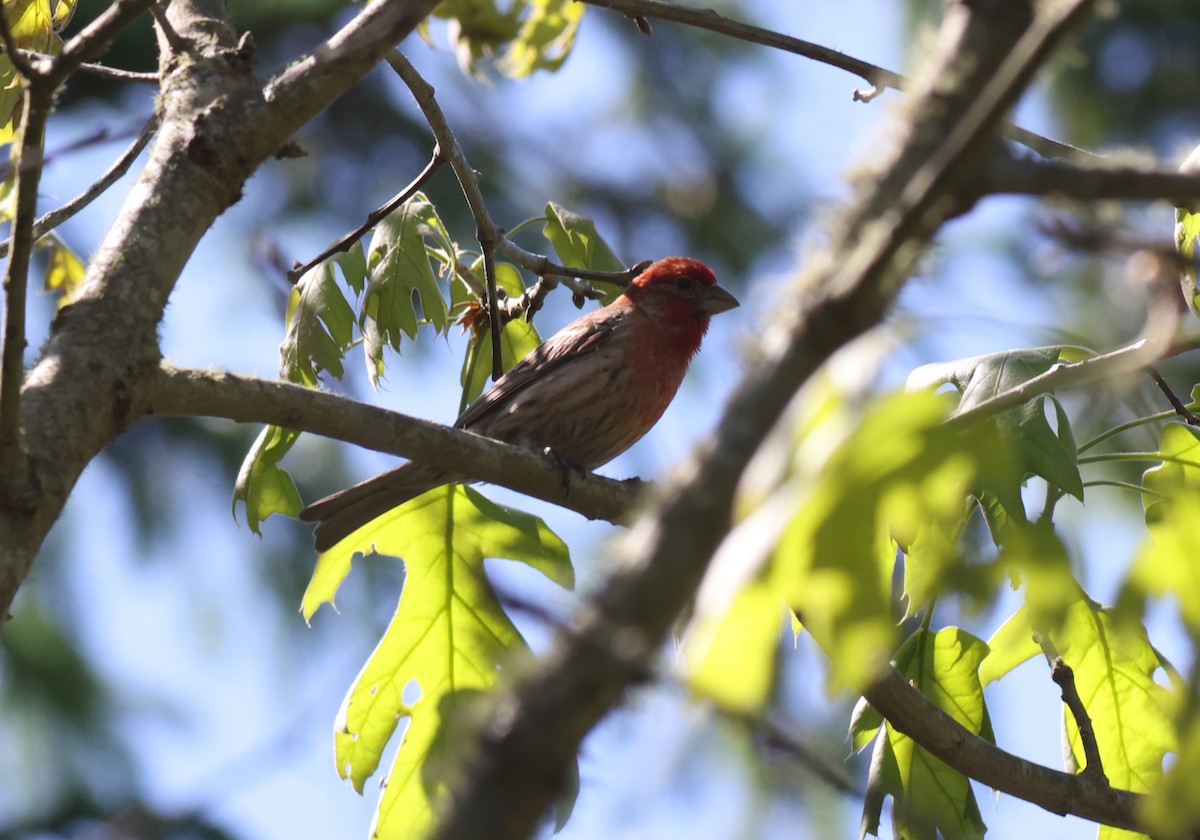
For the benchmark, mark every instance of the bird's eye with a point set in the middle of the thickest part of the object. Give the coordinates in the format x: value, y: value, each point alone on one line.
x: 685, y: 284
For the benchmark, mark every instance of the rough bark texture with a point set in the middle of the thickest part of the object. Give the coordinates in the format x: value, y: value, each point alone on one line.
x: 218, y: 124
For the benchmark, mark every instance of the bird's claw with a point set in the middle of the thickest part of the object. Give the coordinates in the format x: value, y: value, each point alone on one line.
x: 565, y: 467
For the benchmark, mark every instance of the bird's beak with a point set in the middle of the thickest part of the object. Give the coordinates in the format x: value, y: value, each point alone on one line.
x: 715, y: 299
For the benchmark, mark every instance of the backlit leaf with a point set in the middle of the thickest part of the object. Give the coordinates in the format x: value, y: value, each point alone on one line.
x: 262, y: 484
x: 545, y: 39
x: 64, y: 270
x: 928, y: 796
x: 447, y: 639
x: 578, y: 245
x: 320, y: 328
x: 400, y: 274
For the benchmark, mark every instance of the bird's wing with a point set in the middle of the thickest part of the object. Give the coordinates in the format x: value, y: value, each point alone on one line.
x: 573, y: 342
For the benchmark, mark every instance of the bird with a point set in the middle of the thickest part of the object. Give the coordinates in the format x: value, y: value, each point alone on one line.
x: 585, y: 395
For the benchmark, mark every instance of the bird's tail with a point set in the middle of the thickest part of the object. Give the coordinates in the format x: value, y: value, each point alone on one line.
x: 346, y: 511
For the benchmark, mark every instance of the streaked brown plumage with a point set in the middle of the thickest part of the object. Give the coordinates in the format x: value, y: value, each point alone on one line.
x: 588, y: 393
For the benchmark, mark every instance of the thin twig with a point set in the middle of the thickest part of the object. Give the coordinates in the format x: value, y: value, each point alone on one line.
x: 493, y: 307
x: 879, y: 78
x: 1177, y: 404
x: 16, y: 279
x: 1123, y: 360
x: 1064, y: 678
x: 102, y: 70
x: 491, y: 236
x: 52, y: 219
x: 343, y: 244
x: 94, y: 38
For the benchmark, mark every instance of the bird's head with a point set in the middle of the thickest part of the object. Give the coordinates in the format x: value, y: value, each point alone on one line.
x: 680, y: 293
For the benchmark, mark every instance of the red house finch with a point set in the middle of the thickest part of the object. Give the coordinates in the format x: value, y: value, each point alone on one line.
x: 588, y: 393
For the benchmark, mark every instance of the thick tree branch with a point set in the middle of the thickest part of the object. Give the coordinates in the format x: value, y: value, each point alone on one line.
x: 1083, y: 795
x: 218, y: 124
x: 1096, y: 180
x: 247, y: 399
x: 987, y: 55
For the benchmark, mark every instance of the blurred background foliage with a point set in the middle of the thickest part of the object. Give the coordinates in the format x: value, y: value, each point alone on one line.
x: 691, y: 146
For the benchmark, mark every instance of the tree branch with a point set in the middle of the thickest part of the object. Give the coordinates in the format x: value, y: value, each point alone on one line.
x: 373, y: 218
x: 491, y: 236
x: 879, y: 78
x: 1097, y: 180
x: 94, y: 39
x: 218, y: 125
x: 35, y: 111
x: 1064, y: 678
x: 52, y: 219
x: 987, y: 54
x: 247, y: 399
x: 1082, y: 795
x: 1128, y: 359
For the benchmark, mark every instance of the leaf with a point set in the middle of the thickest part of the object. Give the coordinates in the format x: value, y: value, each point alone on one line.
x: 320, y: 327
x: 1011, y: 645
x: 545, y: 39
x: 262, y: 485
x: 1179, y: 446
x: 736, y: 661
x: 578, y: 245
x: 518, y: 338
x: 1187, y: 228
x: 399, y: 266
x: 64, y: 270
x: 1114, y: 674
x: 478, y: 29
x: 34, y: 25
x: 448, y: 637
x: 1044, y: 452
x: 1171, y: 808
x: 897, y: 471
x: 1166, y: 563
x: 927, y: 795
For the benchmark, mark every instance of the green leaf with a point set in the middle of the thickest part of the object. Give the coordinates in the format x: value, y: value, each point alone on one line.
x: 1114, y: 674
x: 578, y: 245
x: 320, y: 328
x: 1011, y: 645
x: 897, y: 471
x: 1166, y: 564
x: 1187, y: 228
x: 479, y: 30
x: 1180, y: 468
x: 927, y: 795
x: 399, y: 267
x: 1044, y: 452
x: 518, y: 338
x: 64, y: 270
x: 34, y: 25
x: 545, y: 39
x: 262, y: 484
x: 736, y: 660
x: 448, y: 637
x: 1171, y: 808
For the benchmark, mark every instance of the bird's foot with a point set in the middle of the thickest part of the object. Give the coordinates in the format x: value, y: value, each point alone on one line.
x: 565, y: 467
